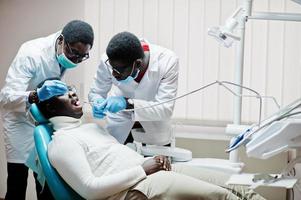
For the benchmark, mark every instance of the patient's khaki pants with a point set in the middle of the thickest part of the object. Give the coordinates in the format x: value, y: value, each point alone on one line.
x: 187, y: 183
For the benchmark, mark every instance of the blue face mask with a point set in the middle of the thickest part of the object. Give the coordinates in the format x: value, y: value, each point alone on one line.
x: 65, y: 62
x: 130, y: 78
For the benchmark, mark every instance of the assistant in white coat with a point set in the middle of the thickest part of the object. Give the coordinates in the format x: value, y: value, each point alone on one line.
x: 35, y: 61
x: 157, y: 81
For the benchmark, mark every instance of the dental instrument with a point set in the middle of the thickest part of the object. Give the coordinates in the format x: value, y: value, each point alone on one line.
x: 220, y: 83
x: 283, y: 113
x: 278, y: 133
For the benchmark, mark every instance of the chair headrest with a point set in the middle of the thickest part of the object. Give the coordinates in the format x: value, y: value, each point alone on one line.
x: 36, y: 115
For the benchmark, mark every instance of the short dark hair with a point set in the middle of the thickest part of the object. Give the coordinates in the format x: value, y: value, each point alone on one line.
x: 78, y: 31
x: 124, y: 47
x: 42, y: 105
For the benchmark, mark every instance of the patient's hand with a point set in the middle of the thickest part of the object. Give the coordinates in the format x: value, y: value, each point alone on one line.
x: 164, y: 161
x: 155, y: 164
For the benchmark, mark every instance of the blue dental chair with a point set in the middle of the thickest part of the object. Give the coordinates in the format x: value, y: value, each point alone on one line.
x: 42, y: 136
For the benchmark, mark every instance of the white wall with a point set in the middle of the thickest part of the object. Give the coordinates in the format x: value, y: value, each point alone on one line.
x: 272, y: 64
x: 272, y: 59
x: 25, y: 20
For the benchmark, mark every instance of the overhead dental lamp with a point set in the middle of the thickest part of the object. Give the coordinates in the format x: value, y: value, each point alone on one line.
x: 225, y: 34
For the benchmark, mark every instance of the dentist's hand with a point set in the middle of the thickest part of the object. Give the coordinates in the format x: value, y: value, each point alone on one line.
x: 98, y: 108
x: 51, y: 88
x: 115, y: 104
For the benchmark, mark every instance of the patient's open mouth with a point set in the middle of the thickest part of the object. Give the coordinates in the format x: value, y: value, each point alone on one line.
x: 76, y: 103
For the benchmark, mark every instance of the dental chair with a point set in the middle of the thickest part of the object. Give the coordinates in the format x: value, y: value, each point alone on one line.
x: 42, y: 136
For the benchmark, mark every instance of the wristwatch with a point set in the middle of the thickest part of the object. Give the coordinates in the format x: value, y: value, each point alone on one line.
x: 129, y: 103
x: 33, y: 97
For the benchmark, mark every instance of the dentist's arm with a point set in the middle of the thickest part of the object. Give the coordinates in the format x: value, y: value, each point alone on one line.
x: 50, y: 88
x: 14, y: 94
x: 101, y: 85
x: 167, y: 90
x: 102, y: 82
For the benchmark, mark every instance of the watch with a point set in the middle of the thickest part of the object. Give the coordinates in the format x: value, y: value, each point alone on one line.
x: 33, y: 97
x: 129, y: 103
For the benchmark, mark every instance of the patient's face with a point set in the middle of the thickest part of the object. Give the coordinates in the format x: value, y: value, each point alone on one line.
x: 69, y: 105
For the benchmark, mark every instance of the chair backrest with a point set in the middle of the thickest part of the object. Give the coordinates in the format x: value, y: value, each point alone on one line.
x: 42, y: 136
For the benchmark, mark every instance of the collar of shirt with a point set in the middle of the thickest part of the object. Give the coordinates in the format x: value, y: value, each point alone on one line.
x: 64, y: 123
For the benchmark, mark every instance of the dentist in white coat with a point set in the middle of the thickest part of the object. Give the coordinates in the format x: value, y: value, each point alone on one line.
x: 36, y: 61
x: 135, y: 74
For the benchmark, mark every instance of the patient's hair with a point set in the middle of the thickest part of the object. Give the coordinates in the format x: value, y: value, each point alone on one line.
x: 78, y: 31
x: 42, y: 105
x: 124, y: 47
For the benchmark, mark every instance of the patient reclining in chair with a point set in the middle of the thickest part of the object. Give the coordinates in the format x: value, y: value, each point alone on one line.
x: 96, y: 166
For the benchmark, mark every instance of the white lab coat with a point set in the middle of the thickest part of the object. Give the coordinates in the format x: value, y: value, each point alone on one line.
x: 34, y: 62
x: 159, y: 83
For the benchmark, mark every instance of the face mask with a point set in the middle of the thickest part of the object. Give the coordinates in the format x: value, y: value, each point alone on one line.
x: 130, y: 78
x: 65, y: 62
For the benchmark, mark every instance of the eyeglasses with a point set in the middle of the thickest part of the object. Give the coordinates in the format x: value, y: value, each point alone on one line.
x: 121, y: 71
x: 76, y: 55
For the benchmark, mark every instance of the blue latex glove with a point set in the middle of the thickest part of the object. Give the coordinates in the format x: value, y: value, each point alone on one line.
x: 98, y: 108
x: 115, y: 104
x: 50, y: 89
